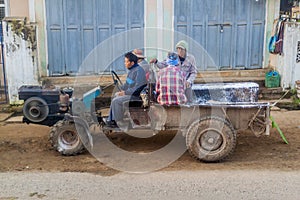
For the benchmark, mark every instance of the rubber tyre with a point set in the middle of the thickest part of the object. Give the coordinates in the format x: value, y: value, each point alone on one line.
x: 65, y: 139
x: 210, y: 139
x: 35, y: 109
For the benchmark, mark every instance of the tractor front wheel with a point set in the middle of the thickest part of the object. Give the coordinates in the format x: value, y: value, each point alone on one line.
x: 65, y: 139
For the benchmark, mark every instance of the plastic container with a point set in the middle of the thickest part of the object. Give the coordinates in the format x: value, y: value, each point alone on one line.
x: 272, y: 79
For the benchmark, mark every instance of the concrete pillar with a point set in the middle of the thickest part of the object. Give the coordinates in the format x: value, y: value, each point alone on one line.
x: 37, y: 15
x: 31, y: 5
x: 159, y: 22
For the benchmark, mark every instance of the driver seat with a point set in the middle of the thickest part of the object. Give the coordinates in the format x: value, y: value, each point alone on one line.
x: 136, y: 100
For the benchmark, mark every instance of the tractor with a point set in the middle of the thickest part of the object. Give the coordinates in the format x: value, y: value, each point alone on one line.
x: 209, y: 124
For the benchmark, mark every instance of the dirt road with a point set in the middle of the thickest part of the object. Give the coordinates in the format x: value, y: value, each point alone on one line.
x: 26, y: 148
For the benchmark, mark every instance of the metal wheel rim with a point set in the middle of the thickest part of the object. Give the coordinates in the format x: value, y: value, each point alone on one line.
x: 68, y: 139
x: 210, y: 139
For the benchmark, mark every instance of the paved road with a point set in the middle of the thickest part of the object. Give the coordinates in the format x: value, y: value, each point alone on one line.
x: 157, y: 185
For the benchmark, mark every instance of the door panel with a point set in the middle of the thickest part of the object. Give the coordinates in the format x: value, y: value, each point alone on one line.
x: 76, y: 27
x: 242, y: 32
x: 213, y: 44
x: 240, y: 43
x: 228, y: 9
x: 226, y: 46
x: 257, y: 32
x: 73, y: 36
x: 134, y: 15
x: 88, y: 36
x: 255, y: 50
x: 55, y: 35
x: 213, y: 11
x: 226, y: 34
x: 231, y: 31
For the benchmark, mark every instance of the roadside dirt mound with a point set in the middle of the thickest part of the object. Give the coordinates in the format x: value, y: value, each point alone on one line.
x: 26, y: 147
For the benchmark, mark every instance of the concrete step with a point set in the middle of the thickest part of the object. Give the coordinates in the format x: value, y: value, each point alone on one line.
x: 257, y: 75
x: 273, y: 93
x: 85, y: 83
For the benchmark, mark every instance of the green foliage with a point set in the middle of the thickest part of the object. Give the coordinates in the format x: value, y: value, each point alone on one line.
x: 294, y: 96
x: 293, y: 91
x: 296, y: 100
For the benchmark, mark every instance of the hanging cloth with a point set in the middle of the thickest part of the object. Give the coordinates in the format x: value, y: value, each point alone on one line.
x: 274, y: 37
x: 279, y: 42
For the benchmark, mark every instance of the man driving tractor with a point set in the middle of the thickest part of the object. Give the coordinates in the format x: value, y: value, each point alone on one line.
x: 135, y: 82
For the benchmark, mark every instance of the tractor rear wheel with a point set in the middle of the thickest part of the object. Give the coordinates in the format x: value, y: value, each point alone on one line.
x: 210, y: 139
x: 65, y: 139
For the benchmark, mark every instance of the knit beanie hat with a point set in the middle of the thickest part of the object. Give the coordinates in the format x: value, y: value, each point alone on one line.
x: 182, y: 44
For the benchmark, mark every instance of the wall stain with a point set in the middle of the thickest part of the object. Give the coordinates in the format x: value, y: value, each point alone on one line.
x: 26, y: 31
